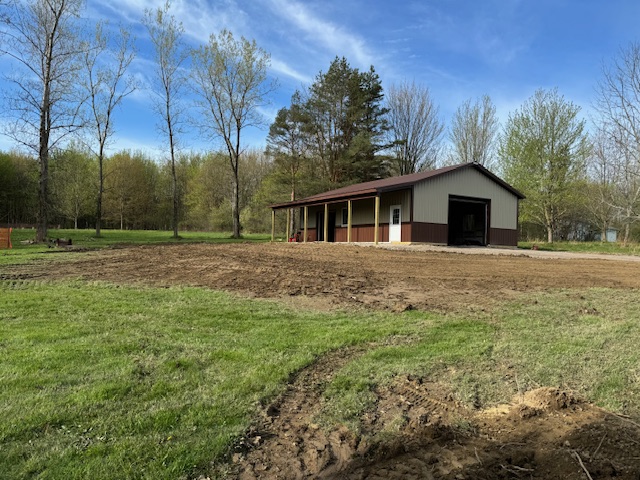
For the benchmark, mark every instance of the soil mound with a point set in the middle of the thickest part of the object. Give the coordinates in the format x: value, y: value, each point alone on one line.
x: 417, y: 431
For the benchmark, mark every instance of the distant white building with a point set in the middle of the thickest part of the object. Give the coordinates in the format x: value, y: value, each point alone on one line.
x: 611, y: 236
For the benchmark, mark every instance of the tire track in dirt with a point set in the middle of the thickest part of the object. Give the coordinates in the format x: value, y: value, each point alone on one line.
x: 289, y: 445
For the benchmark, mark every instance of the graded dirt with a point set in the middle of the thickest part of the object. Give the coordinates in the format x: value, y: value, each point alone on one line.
x: 416, y: 428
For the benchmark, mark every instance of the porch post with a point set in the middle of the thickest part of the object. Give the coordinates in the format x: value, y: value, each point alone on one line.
x: 326, y: 222
x: 377, y: 220
x: 306, y: 220
x: 288, y: 224
x: 273, y: 224
x: 349, y: 221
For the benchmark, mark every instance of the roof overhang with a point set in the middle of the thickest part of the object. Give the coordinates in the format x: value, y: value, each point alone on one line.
x: 375, y: 188
x: 321, y: 200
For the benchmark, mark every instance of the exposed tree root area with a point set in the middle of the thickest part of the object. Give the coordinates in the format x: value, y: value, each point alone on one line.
x: 416, y: 429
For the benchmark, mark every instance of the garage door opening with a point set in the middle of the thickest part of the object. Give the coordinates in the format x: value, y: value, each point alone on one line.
x: 468, y: 221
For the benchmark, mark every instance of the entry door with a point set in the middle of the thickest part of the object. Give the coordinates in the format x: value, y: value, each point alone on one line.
x: 395, y: 224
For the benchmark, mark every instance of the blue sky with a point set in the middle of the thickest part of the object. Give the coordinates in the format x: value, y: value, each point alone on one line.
x: 460, y: 49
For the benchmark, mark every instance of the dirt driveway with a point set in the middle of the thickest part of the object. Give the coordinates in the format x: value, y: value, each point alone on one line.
x: 545, y: 434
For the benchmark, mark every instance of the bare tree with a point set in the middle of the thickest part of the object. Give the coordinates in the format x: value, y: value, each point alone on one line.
x: 43, y: 39
x: 618, y: 103
x: 166, y: 35
x: 416, y: 128
x: 474, y: 132
x: 230, y: 81
x: 601, y: 191
x: 106, y: 86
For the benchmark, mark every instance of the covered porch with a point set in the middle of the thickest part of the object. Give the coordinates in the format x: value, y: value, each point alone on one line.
x: 374, y: 216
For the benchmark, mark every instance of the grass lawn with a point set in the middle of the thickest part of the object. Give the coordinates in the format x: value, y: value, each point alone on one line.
x: 25, y: 253
x: 99, y: 381
x: 584, y: 247
x: 104, y: 381
x: 87, y: 238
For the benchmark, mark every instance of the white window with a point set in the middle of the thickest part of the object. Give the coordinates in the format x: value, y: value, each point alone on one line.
x: 395, y: 220
x: 345, y: 217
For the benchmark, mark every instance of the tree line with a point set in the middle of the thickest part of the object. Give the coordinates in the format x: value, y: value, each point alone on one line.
x: 137, y: 190
x: 342, y: 129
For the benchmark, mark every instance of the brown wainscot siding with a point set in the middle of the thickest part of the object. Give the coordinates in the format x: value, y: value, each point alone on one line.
x: 503, y: 237
x: 363, y: 233
x: 405, y: 236
x: 311, y: 234
x: 430, y: 233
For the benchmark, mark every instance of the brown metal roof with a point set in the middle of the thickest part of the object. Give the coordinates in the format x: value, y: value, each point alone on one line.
x: 370, y: 189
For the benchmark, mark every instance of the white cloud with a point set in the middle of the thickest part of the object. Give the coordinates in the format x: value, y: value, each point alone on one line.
x: 281, y: 67
x: 326, y: 34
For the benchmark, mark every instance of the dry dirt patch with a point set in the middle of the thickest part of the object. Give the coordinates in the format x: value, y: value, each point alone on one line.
x: 544, y: 434
x: 328, y: 276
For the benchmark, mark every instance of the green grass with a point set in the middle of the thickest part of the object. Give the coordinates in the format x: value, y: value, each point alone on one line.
x: 105, y: 381
x: 584, y: 342
x: 584, y: 247
x: 87, y: 238
x: 99, y: 381
x: 25, y: 253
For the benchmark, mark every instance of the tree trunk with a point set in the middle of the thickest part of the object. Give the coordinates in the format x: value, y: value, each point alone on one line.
x: 100, y: 192
x: 174, y: 182
x: 627, y: 232
x: 549, y: 234
x: 235, y: 203
x: 292, y: 225
x: 234, y: 156
x: 43, y: 201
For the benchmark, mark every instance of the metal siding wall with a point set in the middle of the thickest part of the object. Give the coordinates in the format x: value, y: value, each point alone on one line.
x: 500, y: 236
x: 312, y: 216
x: 402, y: 197
x: 362, y: 211
x: 429, y: 233
x: 431, y: 198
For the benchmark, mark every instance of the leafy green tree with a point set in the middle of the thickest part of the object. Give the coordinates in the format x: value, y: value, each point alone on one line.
x: 288, y: 147
x: 346, y: 124
x: 73, y: 183
x: 543, y: 152
x: 207, y: 186
x: 18, y: 188
x: 230, y: 81
x: 368, y: 117
x: 131, y: 191
x: 287, y: 144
